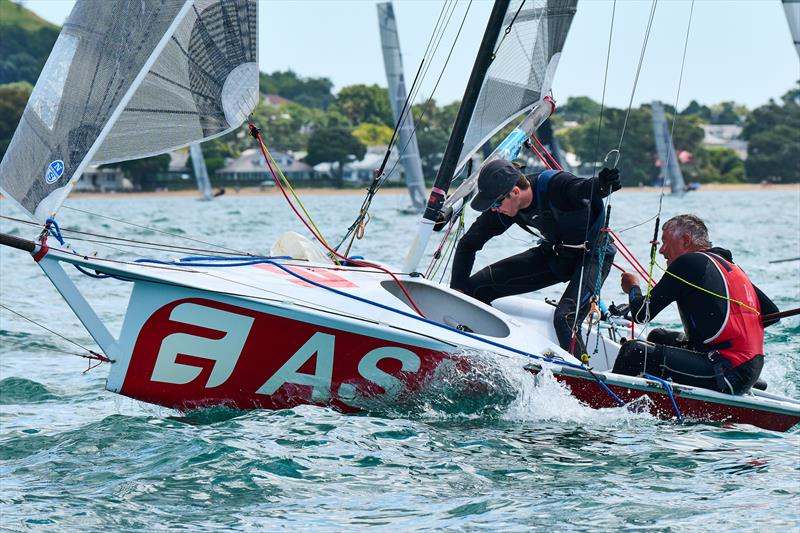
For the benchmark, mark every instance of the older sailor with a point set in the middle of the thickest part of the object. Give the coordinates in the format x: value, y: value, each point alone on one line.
x: 722, y: 345
x: 567, y: 213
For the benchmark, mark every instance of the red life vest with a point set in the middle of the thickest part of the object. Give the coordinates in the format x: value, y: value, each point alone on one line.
x: 741, y: 336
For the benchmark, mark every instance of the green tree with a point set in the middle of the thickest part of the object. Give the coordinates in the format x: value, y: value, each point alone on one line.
x: 13, y: 98
x: 717, y: 164
x: 773, y: 135
x: 694, y: 108
x: 725, y: 113
x: 371, y: 134
x: 579, y: 109
x: 288, y: 126
x: 142, y: 172
x: 308, y: 92
x: 334, y: 143
x: 365, y: 103
x: 434, y: 125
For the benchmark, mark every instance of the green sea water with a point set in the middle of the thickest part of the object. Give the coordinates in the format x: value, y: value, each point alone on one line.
x: 515, y: 457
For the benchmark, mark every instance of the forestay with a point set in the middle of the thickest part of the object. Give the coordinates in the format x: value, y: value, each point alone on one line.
x: 127, y: 80
x: 523, y: 67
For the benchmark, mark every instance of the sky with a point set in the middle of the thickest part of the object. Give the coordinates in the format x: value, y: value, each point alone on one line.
x: 738, y: 50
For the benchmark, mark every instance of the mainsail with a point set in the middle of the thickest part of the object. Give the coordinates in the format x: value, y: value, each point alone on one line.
x: 409, y: 150
x: 521, y: 73
x: 127, y: 80
x: 792, y: 8
x: 668, y: 161
x: 200, y: 171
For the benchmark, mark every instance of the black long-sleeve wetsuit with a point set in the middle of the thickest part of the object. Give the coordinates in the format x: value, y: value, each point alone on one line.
x: 683, y: 356
x: 547, y: 263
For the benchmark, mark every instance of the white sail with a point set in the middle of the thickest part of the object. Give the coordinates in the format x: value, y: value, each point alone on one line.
x: 522, y: 70
x: 792, y: 8
x: 409, y: 150
x: 668, y: 161
x: 130, y: 80
x: 200, y: 171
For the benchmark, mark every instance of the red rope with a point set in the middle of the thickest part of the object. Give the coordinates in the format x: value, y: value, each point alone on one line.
x: 553, y: 159
x: 543, y: 159
x: 257, y: 134
x: 628, y: 255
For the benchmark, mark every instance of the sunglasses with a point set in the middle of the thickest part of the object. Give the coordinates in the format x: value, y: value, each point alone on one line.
x: 500, y: 199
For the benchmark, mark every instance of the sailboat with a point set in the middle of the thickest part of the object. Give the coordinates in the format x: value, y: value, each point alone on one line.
x: 409, y: 150
x: 275, y: 332
x: 792, y: 9
x: 200, y: 171
x: 669, y: 168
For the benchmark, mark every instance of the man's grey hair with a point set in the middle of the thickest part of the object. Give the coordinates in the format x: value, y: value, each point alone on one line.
x: 691, y: 225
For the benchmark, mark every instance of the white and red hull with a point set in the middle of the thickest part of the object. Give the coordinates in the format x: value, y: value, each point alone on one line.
x: 285, y: 333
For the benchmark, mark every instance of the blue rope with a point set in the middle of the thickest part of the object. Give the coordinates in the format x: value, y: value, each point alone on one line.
x: 55, y: 231
x: 668, y: 388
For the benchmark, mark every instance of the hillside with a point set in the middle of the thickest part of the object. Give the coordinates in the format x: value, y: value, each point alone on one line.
x: 12, y: 14
x: 26, y: 43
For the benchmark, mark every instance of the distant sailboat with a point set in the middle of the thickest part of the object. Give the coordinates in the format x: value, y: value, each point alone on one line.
x: 409, y: 151
x: 792, y: 8
x: 667, y: 159
x: 200, y: 171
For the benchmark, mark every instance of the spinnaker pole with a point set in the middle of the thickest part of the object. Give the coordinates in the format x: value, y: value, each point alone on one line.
x: 456, y: 141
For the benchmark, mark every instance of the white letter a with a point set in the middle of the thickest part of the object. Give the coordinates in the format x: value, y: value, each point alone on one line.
x: 320, y: 344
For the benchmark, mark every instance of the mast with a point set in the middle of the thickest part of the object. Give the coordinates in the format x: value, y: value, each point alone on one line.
x: 393, y: 62
x: 456, y: 141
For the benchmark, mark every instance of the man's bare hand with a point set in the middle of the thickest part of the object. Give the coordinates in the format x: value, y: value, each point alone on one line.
x: 629, y: 281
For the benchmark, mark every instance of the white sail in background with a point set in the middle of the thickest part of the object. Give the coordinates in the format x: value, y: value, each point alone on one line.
x: 200, y: 171
x: 127, y: 80
x: 670, y: 169
x: 792, y: 9
x: 409, y: 150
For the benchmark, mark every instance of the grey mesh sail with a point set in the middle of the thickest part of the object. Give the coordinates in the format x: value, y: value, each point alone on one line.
x: 792, y: 9
x: 669, y: 168
x: 130, y: 79
x: 523, y: 68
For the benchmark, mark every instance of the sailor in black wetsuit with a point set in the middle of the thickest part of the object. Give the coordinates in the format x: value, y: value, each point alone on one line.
x: 723, y: 344
x: 567, y: 212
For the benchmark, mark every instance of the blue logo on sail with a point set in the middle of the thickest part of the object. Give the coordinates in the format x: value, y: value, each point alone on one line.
x: 54, y: 171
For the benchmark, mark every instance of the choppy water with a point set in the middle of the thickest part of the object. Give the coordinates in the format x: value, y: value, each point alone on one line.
x: 514, y: 457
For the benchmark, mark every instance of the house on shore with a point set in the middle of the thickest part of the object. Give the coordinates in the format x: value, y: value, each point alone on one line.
x: 725, y: 136
x: 96, y: 179
x: 361, y: 172
x: 250, y: 169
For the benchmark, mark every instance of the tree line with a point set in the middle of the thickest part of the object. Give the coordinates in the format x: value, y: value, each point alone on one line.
x: 324, y: 126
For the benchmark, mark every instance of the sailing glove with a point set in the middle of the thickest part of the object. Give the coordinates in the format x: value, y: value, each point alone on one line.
x: 609, y: 181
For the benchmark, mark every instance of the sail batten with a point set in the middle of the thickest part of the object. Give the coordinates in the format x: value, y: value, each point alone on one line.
x: 130, y: 82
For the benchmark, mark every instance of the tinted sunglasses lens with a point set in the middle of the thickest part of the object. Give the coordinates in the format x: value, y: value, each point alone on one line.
x: 497, y: 203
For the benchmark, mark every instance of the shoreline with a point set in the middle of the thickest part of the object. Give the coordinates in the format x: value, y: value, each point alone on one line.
x: 330, y: 191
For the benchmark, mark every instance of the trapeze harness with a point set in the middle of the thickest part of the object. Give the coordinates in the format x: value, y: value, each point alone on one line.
x: 729, y: 361
x: 734, y: 341
x: 564, y: 231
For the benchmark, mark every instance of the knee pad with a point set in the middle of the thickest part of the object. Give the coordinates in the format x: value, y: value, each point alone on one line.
x: 631, y: 357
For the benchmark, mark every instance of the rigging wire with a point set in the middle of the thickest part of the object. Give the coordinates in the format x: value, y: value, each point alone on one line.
x: 219, y: 246
x: 92, y: 354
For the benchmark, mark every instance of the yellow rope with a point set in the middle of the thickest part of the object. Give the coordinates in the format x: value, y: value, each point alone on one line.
x: 291, y: 190
x: 756, y: 311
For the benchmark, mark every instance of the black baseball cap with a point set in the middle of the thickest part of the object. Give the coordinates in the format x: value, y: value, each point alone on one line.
x: 495, y: 180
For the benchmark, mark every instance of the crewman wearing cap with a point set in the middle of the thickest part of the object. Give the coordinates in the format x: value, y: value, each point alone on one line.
x: 565, y: 213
